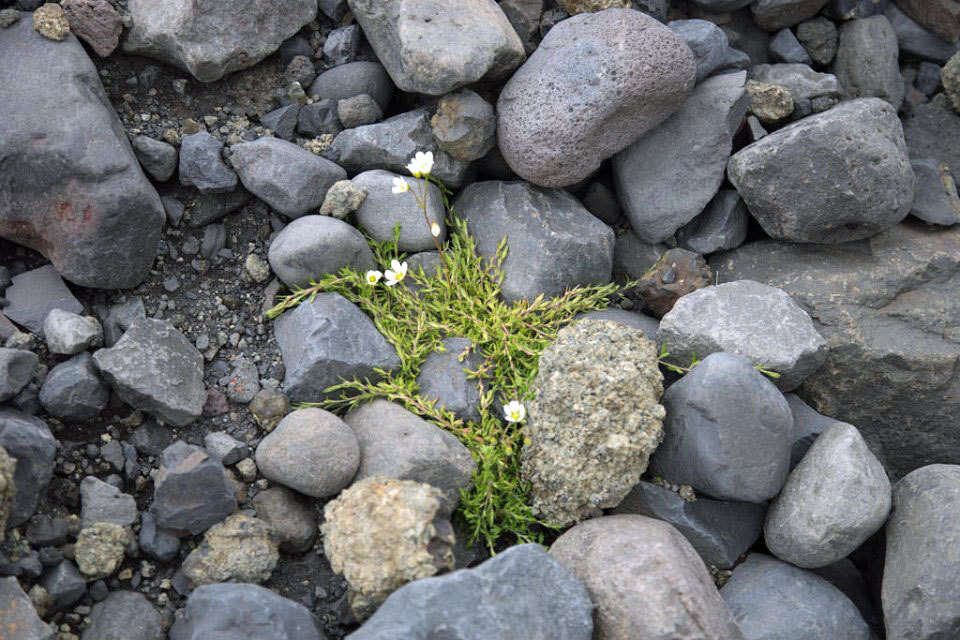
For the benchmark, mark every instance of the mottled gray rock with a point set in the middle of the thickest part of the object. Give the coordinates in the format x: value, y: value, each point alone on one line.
x: 720, y: 226
x: 935, y: 199
x: 836, y: 498
x: 819, y: 38
x: 465, y: 125
x: 382, y: 210
x: 771, y: 599
x: 890, y: 364
x: 392, y: 143
x: 328, y: 340
x: 395, y: 443
x: 100, y: 548
x: 443, y: 378
x: 311, y: 451
x: 244, y: 610
x: 774, y: 15
x: 29, y: 440
x: 202, y: 165
x: 929, y: 130
x: 748, y: 318
x: 289, y: 516
x: 358, y: 111
x: 191, y: 491
x: 632, y: 257
x: 645, y: 580
x: 692, y: 149
x: 210, y: 39
x: 104, y: 502
x: 72, y: 187
x: 942, y: 17
x: 154, y: 368
x: 64, y: 584
x: 552, y: 133
x: 16, y: 369
x: 68, y: 333
x: 594, y: 421
x: 239, y: 549
x: 158, y: 158
x: 352, y: 79
x: 807, y: 87
x: 312, y: 246
x: 284, y: 175
x: 342, y: 44
x: 728, y: 431
x: 19, y: 615
x: 125, y: 615
x: 921, y: 597
x: 34, y: 294
x: 318, y: 118
x: 840, y: 175
x: 117, y: 318
x: 224, y: 447
x: 554, y: 243
x: 282, y: 122
x: 710, y: 47
x: 784, y: 47
x: 632, y: 319
x: 521, y: 590
x: 458, y: 42
x: 866, y: 63
x: 160, y: 544
x: 342, y: 199
x: 720, y: 531
x: 211, y: 207
x: 382, y: 533
x: 915, y: 40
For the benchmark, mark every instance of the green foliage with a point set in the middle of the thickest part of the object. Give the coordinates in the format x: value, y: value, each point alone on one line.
x: 694, y: 361
x: 462, y: 300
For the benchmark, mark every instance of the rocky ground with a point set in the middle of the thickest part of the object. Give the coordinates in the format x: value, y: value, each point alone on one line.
x: 777, y: 178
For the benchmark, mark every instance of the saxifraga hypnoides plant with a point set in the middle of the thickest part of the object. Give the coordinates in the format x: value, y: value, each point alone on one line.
x: 461, y: 300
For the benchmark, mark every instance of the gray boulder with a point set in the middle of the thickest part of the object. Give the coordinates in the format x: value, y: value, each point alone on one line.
x: 20, y: 616
x: 935, y: 199
x: 773, y: 15
x: 210, y: 39
x: 224, y: 447
x: 34, y: 294
x: 836, y: 498
x: 202, y: 165
x: 125, y: 615
x: 392, y: 143
x: 73, y: 390
x: 719, y: 530
x: 554, y: 134
x: 728, y: 431
x: 784, y: 47
x: 554, y: 243
x: 318, y: 118
x: 645, y: 580
x: 72, y: 189
x: 888, y: 369
x: 68, y: 333
x: 154, y: 368
x: 244, y: 610
x: 311, y: 451
x: 460, y: 43
x: 819, y: 38
x: 928, y: 129
x: 358, y: 111
x: 840, y: 175
x: 64, y: 584
x: 102, y: 502
x: 290, y: 517
x: 284, y: 175
x: 382, y: 210
x: 29, y: 441
x: 160, y: 544
x: 522, y: 590
x: 867, y: 60
x: 748, y: 318
x: 633, y: 319
x: 342, y: 44
x: 16, y: 369
x: 942, y: 17
x: 157, y: 157
x: 327, y: 340
x: 921, y: 596
x: 915, y: 40
x: 691, y: 150
x: 720, y: 226
x: 312, y: 246
x: 772, y: 599
x: 443, y: 378
x: 465, y: 125
x: 395, y: 443
x: 191, y: 491
x: 710, y: 47
x: 352, y: 79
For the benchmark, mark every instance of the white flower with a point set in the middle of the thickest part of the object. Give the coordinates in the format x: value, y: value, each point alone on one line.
x: 373, y: 277
x: 396, y: 272
x: 514, y: 411
x: 435, y: 230
x: 400, y: 185
x: 421, y: 165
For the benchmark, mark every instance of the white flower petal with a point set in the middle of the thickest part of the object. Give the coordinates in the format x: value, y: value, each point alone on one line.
x: 373, y: 277
x: 394, y: 265
x: 400, y: 185
x: 435, y: 230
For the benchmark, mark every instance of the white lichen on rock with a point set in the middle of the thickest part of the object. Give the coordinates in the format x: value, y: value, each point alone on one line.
x: 51, y: 22
x: 239, y: 549
x: 99, y: 549
x: 594, y: 422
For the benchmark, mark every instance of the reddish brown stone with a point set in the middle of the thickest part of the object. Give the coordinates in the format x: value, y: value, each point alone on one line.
x: 677, y: 273
x: 96, y: 22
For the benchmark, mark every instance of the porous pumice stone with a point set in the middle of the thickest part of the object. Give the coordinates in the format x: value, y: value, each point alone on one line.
x: 594, y: 421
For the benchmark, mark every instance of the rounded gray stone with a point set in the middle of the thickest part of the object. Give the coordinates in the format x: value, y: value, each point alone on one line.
x: 867, y: 60
x: 559, y: 118
x: 645, y: 580
x: 836, y: 498
x: 382, y: 210
x: 728, y: 431
x: 125, y: 615
x: 202, y: 165
x: 833, y: 177
x: 312, y: 246
x: 68, y: 333
x: 443, y: 378
x: 773, y: 15
x: 352, y: 79
x: 465, y: 125
x: 311, y: 451
x: 157, y: 157
x: 16, y: 369
x: 290, y: 517
x: 755, y: 320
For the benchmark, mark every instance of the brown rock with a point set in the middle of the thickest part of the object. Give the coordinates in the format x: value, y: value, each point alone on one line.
x: 771, y: 103
x: 677, y: 273
x: 942, y: 17
x: 96, y: 22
